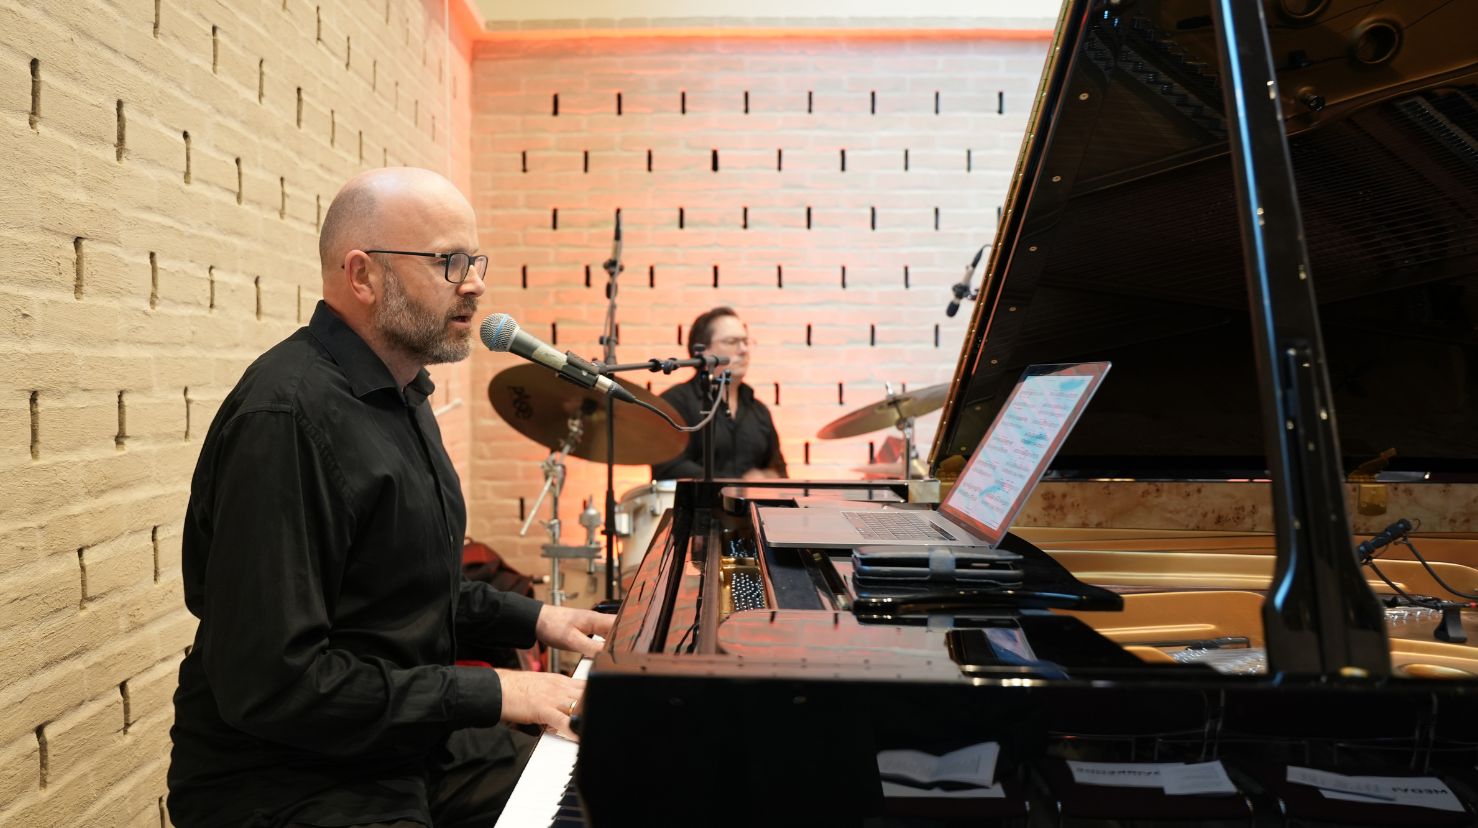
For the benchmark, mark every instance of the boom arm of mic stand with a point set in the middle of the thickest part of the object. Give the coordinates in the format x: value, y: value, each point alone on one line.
x: 665, y: 366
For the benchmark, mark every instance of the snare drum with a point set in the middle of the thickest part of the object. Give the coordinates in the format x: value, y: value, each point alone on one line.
x: 637, y: 516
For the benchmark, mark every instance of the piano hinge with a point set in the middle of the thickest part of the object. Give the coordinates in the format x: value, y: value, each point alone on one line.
x: 1372, y: 498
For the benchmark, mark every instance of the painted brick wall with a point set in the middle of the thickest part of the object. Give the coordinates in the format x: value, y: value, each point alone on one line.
x: 829, y: 188
x: 166, y: 165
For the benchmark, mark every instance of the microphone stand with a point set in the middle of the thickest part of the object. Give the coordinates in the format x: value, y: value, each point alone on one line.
x: 705, y: 366
x: 705, y: 383
x: 608, y: 339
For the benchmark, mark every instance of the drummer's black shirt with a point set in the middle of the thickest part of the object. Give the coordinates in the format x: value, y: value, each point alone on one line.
x: 747, y: 441
x: 322, y: 555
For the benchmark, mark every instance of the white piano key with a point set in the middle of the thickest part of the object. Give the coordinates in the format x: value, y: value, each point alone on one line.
x: 541, y: 786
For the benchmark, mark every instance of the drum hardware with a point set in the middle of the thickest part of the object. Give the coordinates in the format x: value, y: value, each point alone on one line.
x: 590, y: 519
x: 904, y: 424
x: 648, y: 432
x: 897, y: 410
x: 575, y: 421
x: 554, y: 481
x: 637, y: 515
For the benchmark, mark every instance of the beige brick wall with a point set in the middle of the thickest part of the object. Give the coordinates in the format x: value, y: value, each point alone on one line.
x: 166, y: 165
x: 929, y: 123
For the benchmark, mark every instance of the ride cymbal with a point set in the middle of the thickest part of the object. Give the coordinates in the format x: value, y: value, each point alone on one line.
x: 539, y: 404
x: 886, y: 413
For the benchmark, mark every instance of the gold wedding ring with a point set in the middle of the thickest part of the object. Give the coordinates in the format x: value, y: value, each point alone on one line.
x: 571, y: 710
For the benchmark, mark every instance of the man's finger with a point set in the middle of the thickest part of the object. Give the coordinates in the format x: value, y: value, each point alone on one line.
x: 585, y: 646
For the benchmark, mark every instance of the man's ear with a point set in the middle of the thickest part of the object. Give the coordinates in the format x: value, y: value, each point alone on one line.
x: 359, y: 276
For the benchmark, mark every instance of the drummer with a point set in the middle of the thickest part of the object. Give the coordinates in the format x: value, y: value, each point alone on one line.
x: 745, y: 443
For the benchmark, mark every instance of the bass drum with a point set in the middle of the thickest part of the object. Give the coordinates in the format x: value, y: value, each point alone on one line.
x: 637, y: 516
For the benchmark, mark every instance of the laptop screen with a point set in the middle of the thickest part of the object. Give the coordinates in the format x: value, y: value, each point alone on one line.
x: 1020, y: 444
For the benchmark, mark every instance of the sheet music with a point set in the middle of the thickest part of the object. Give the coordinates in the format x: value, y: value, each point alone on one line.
x: 1006, y: 466
x: 535, y: 798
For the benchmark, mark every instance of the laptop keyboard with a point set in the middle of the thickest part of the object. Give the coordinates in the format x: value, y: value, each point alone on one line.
x: 889, y: 525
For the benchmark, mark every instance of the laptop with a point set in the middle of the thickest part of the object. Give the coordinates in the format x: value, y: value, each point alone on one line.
x: 1006, y: 465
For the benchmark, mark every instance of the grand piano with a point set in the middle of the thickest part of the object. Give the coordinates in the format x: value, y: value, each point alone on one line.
x: 1265, y: 215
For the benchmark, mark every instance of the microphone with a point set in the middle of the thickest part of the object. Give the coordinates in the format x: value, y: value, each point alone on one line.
x: 962, y: 290
x: 501, y: 333
x: 1395, y: 531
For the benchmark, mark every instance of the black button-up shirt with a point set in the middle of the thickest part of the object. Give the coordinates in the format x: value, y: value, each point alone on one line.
x: 741, y: 443
x: 322, y: 555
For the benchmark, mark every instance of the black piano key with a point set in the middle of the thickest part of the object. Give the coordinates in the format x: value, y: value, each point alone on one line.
x: 570, y: 814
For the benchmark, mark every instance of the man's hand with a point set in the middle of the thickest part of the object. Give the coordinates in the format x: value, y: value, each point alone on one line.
x: 564, y: 628
x: 546, y: 699
x: 760, y: 474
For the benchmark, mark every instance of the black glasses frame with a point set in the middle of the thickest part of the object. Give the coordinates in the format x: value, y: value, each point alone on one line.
x: 467, y: 263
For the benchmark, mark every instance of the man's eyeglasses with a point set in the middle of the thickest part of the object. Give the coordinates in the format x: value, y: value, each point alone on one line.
x: 457, y: 264
x: 734, y: 341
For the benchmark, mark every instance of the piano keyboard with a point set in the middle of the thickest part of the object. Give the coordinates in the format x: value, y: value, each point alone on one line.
x: 545, y: 794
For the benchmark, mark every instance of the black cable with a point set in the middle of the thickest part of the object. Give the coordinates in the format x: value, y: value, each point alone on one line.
x: 1430, y: 571
x: 1429, y: 603
x: 677, y: 649
x: 1374, y: 547
x: 689, y: 429
x: 1399, y: 532
x: 697, y: 619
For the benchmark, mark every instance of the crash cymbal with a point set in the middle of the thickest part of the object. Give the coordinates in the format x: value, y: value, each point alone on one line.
x: 886, y: 413
x: 891, y: 470
x: 538, y: 404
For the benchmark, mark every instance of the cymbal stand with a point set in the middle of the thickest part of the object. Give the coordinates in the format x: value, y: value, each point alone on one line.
x: 554, y: 481
x: 904, y: 424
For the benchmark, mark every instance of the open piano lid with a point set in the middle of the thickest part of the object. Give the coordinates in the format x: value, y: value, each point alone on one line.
x: 1119, y: 239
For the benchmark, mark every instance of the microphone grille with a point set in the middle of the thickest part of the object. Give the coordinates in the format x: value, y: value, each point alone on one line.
x: 498, y: 331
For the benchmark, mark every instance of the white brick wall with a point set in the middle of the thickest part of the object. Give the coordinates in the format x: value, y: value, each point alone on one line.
x: 682, y: 97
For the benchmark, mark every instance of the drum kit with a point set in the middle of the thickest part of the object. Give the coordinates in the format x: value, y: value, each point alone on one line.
x: 571, y: 421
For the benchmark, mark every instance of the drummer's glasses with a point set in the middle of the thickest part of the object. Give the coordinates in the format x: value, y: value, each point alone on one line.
x: 734, y: 341
x: 457, y: 264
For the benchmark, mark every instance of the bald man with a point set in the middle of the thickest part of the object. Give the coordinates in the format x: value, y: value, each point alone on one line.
x: 322, y: 551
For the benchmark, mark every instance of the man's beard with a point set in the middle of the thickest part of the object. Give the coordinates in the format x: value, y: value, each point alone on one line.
x: 419, y: 331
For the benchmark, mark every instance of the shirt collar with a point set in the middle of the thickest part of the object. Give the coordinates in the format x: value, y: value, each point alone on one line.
x: 364, y: 368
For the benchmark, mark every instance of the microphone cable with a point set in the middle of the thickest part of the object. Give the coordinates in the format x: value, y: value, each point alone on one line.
x: 723, y: 381
x: 1399, y: 532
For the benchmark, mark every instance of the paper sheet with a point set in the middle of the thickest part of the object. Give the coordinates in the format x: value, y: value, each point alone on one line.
x: 1410, y: 791
x: 1197, y: 778
x: 1174, y: 778
x: 893, y: 790
x: 973, y: 765
x: 1119, y: 774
